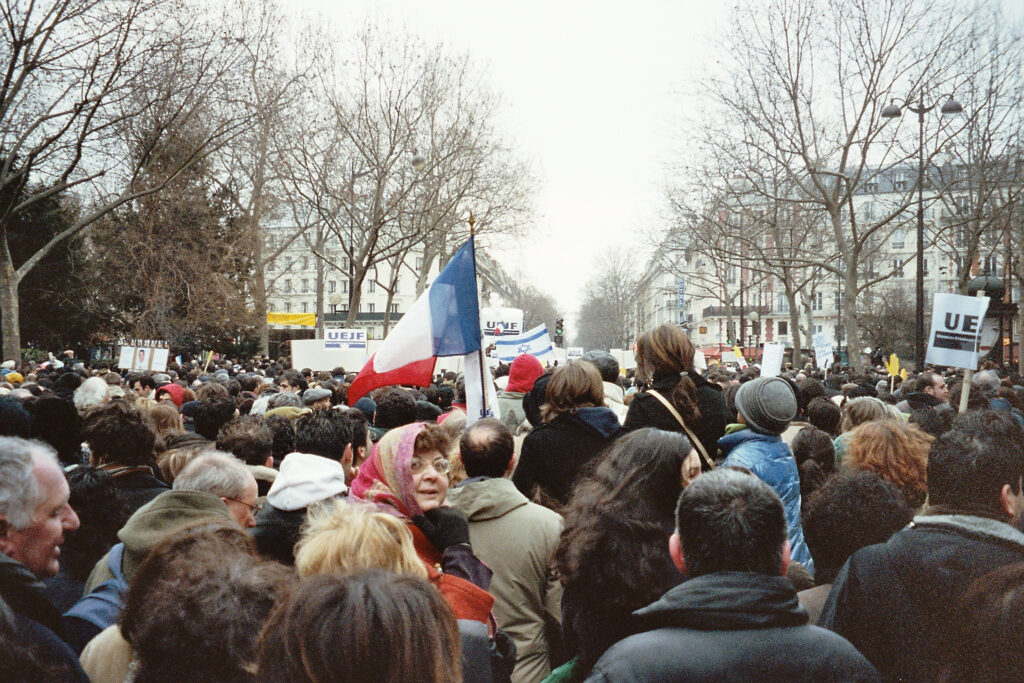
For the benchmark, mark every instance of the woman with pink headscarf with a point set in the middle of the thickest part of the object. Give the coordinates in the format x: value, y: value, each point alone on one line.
x: 407, y: 476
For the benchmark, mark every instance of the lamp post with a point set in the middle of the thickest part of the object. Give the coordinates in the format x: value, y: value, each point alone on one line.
x: 892, y: 111
x: 755, y: 330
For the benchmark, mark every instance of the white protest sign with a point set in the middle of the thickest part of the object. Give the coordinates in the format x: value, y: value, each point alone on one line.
x: 574, y: 352
x: 771, y: 359
x: 344, y: 339
x: 823, y: 351
x: 956, y: 330
x: 498, y: 322
x: 144, y: 355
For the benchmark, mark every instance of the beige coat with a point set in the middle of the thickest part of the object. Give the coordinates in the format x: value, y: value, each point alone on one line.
x: 517, y: 540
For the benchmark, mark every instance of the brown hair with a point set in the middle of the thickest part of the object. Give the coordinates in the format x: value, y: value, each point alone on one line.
x: 365, y: 628
x: 665, y: 352
x: 166, y: 419
x: 861, y: 409
x: 571, y: 387
x: 432, y: 438
x: 896, y: 451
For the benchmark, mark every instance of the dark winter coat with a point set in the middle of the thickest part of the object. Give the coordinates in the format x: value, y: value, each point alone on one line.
x: 730, y: 626
x: 277, y: 531
x: 647, y: 411
x: 137, y: 484
x: 35, y: 621
x: 896, y: 601
x: 555, y: 452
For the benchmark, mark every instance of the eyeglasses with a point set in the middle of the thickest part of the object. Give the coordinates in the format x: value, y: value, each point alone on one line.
x: 254, y: 508
x: 440, y: 465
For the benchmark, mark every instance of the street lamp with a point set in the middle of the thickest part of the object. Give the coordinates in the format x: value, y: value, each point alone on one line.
x: 755, y: 329
x: 892, y: 111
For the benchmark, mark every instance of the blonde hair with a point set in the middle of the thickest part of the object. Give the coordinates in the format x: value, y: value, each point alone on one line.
x: 344, y: 538
x: 857, y: 411
x: 173, y: 461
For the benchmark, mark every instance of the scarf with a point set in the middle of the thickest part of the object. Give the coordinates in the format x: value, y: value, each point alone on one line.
x: 385, y: 479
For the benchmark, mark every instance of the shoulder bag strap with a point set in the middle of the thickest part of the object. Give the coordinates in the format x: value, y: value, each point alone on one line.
x: 689, y: 432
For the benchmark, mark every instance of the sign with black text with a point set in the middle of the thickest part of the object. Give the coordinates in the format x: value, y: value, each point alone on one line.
x: 345, y: 339
x: 956, y: 330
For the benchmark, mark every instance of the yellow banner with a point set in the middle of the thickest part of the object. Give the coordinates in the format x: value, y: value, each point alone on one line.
x: 304, y: 319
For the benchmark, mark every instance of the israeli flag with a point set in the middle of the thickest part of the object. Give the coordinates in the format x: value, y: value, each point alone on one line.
x: 535, y: 342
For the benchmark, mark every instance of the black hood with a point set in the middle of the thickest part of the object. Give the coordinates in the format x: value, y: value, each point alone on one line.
x: 725, y: 601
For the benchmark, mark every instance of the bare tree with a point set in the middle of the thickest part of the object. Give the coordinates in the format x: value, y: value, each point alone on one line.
x: 606, y: 315
x: 79, y: 78
x: 801, y: 93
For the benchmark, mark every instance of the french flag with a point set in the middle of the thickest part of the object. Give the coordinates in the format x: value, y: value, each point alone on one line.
x: 444, y: 321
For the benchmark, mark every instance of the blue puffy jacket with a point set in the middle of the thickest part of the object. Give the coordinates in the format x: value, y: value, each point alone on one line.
x: 769, y: 458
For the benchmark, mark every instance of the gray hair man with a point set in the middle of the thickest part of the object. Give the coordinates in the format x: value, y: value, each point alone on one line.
x: 226, y: 477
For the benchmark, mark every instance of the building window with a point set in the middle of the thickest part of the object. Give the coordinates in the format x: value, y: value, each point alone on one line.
x: 305, y: 286
x: 344, y: 286
x: 419, y: 263
x: 839, y: 301
x: 287, y: 286
x: 924, y: 266
x: 305, y: 307
x: 393, y: 308
x: 783, y: 327
x: 868, y: 211
x: 963, y: 205
x: 898, y: 239
x: 371, y: 286
x: 782, y: 305
x: 901, y: 181
x: 371, y: 308
x: 871, y: 187
x: 270, y: 264
x: 817, y: 301
x: 730, y: 274
x: 305, y: 263
x: 332, y: 286
x: 818, y: 329
x: 287, y: 306
x: 897, y: 267
x: 992, y: 265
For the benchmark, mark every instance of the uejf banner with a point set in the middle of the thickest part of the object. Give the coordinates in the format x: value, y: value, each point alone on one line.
x: 956, y: 330
x: 338, y: 339
x: 499, y: 322
x: 143, y: 355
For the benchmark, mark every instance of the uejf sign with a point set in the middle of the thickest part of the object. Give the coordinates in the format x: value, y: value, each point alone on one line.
x: 345, y: 339
x: 956, y: 330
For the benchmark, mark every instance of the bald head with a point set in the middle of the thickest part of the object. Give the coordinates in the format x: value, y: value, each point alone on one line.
x: 487, y: 448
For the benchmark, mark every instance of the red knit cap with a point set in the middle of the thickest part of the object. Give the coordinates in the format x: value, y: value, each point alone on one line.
x: 524, y: 372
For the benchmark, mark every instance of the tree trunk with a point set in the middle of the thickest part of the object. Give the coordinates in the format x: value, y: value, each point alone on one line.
x: 355, y: 295
x: 853, y: 347
x: 794, y: 325
x: 11, y: 328
x: 320, y: 295
x: 259, y: 299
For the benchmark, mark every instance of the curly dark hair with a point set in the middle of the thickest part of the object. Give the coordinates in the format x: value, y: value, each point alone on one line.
x: 200, y: 596
x: 247, y: 438
x: 212, y: 413
x: 612, y: 557
x: 851, y: 511
x: 116, y: 432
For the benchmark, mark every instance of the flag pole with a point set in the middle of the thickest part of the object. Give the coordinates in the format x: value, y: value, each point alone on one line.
x: 480, y: 350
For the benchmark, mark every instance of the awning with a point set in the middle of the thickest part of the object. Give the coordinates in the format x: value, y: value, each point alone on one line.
x: 304, y: 319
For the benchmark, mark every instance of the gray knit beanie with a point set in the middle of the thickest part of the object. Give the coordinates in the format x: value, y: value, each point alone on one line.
x: 767, y: 404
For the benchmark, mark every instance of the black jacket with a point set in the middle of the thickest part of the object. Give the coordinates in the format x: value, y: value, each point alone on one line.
x: 730, y: 626
x: 555, y: 452
x: 277, y: 531
x: 137, y: 484
x: 896, y: 601
x: 647, y: 411
x: 35, y: 621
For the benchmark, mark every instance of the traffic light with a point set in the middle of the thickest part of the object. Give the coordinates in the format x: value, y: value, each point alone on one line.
x: 559, y: 331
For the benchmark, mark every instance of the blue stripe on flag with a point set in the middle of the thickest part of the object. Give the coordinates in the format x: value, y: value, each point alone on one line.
x: 521, y: 339
x: 534, y: 352
x: 454, y: 308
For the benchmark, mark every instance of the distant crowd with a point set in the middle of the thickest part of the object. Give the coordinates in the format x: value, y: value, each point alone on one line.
x: 239, y: 521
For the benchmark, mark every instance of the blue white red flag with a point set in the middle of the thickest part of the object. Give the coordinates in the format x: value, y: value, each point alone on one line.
x: 444, y: 321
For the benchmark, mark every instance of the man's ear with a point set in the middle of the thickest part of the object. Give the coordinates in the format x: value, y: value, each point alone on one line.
x: 269, y: 462
x: 675, y: 551
x: 511, y: 465
x: 785, y: 558
x: 1007, y: 499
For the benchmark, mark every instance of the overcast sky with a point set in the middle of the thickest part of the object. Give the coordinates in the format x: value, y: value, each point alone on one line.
x: 594, y: 95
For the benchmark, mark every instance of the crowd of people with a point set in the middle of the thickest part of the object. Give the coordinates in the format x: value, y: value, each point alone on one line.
x: 242, y: 522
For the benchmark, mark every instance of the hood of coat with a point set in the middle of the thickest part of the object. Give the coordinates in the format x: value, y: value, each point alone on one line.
x: 165, y: 514
x: 613, y: 393
x: 305, y: 479
x: 730, y: 441
x: 599, y: 419
x: 524, y: 371
x: 486, y: 498
x: 726, y: 601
